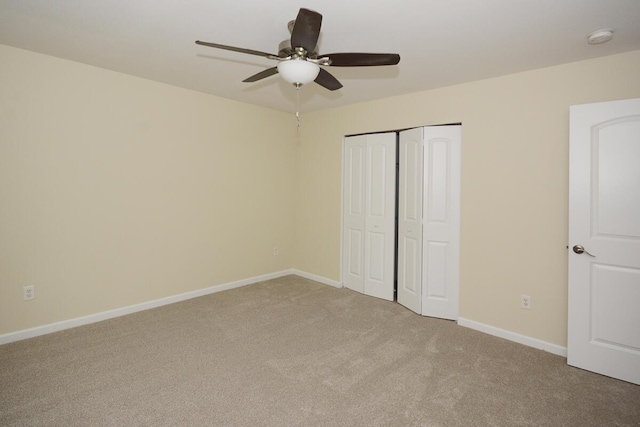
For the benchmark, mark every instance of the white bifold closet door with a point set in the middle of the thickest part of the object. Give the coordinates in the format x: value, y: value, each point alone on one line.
x: 429, y: 220
x: 369, y: 214
x: 410, y: 220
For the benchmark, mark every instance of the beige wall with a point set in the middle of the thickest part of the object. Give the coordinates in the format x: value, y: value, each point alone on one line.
x: 514, y: 183
x: 116, y: 190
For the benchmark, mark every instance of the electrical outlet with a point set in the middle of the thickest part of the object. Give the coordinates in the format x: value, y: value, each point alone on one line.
x: 28, y: 292
x: 525, y: 302
x: 276, y: 251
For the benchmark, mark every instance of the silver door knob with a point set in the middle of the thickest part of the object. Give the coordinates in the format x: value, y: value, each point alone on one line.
x: 580, y: 250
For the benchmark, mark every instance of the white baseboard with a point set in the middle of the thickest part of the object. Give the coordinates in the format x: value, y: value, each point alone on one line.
x: 512, y: 336
x: 320, y: 279
x: 487, y: 329
x: 98, y: 317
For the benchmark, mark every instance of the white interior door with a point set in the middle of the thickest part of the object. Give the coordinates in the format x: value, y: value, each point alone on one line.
x: 369, y: 214
x: 441, y: 221
x: 604, y: 239
x: 410, y: 220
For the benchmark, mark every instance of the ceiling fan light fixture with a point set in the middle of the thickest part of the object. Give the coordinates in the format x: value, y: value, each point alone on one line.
x: 298, y: 71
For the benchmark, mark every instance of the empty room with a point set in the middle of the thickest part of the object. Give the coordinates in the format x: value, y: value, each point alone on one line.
x: 332, y: 213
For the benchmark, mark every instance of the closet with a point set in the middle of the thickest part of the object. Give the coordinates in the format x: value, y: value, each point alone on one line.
x: 401, y: 217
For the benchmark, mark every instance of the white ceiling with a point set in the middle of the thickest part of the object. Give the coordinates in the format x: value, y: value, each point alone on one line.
x: 441, y: 42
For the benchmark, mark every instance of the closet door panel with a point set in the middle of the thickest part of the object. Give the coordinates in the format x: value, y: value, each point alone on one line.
x: 441, y: 221
x: 410, y: 220
x: 354, y: 205
x: 380, y: 215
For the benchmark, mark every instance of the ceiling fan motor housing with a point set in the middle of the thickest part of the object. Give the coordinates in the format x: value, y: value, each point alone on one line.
x: 285, y: 50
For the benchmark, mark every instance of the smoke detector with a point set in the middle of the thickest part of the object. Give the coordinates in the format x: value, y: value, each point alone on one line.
x: 600, y: 36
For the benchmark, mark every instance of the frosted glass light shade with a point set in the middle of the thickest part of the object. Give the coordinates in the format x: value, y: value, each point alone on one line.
x: 298, y: 71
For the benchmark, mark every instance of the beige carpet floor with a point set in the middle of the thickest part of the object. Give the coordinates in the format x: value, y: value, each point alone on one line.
x: 292, y: 352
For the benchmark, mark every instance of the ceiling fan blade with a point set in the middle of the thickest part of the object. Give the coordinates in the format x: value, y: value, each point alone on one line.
x: 326, y: 80
x: 361, y: 59
x: 306, y: 30
x: 237, y: 49
x: 261, y: 75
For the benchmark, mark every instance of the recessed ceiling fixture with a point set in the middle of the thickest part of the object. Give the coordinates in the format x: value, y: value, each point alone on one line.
x: 600, y: 36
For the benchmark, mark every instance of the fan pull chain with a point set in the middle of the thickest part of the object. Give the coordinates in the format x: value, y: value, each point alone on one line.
x: 298, y: 106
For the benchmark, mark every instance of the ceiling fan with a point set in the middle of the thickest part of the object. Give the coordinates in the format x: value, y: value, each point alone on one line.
x: 298, y: 60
